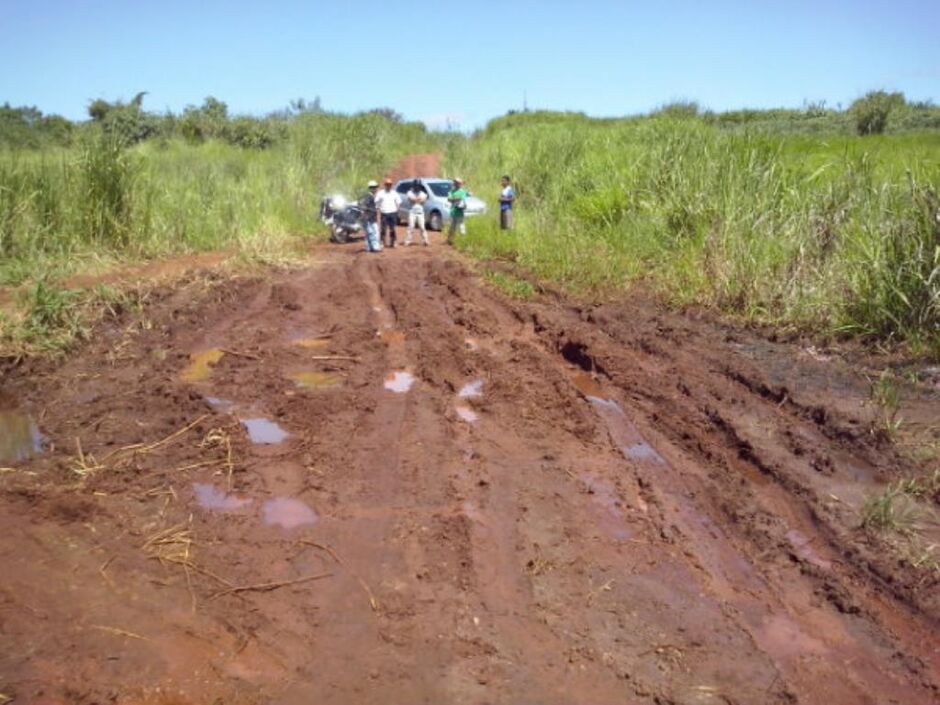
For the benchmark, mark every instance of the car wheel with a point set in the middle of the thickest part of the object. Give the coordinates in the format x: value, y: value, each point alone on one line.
x: 340, y: 236
x: 435, y: 222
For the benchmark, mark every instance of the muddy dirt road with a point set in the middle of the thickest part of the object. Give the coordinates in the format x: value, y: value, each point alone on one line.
x: 374, y: 480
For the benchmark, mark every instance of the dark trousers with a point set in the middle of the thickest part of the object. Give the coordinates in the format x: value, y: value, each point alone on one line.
x: 505, y: 219
x: 389, y: 221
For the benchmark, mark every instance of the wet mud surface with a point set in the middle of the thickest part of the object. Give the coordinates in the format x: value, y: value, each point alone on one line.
x: 376, y: 481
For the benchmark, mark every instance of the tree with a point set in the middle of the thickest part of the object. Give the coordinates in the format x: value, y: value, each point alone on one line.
x: 98, y: 109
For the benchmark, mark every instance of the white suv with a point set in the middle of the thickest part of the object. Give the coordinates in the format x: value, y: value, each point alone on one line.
x: 437, y: 207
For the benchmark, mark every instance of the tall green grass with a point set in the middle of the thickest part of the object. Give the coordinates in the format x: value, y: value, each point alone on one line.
x: 104, y: 199
x: 838, y: 232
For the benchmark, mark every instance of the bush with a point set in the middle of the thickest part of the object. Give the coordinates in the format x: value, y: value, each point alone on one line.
x: 871, y: 111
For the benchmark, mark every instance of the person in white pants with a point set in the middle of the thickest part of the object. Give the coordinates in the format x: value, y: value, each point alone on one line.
x: 416, y: 197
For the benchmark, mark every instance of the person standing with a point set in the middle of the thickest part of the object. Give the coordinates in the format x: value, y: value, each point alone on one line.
x: 458, y: 207
x: 416, y: 197
x: 388, y: 202
x: 506, y: 198
x: 369, y: 218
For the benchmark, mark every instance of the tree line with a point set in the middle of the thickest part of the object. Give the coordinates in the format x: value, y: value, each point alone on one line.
x: 130, y: 123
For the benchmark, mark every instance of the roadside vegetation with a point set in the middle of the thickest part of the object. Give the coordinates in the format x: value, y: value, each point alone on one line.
x: 835, y: 231
x: 129, y: 184
x: 818, y: 218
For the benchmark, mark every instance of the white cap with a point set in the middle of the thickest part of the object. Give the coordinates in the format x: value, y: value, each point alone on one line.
x: 373, y: 183
x: 458, y: 180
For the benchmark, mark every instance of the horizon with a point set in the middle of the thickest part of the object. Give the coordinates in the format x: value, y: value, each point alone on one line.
x: 624, y: 60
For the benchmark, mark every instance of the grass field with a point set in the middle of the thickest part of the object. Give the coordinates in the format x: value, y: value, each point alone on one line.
x: 833, y: 232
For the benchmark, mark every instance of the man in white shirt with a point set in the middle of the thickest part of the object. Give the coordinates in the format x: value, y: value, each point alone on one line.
x: 388, y: 202
x: 416, y: 197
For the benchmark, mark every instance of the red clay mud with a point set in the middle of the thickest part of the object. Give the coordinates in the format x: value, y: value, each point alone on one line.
x: 564, y: 504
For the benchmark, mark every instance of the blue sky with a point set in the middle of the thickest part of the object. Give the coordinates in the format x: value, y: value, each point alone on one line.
x: 465, y: 62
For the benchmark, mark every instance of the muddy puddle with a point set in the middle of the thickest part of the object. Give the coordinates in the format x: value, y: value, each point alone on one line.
x: 471, y: 390
x: 200, y: 365
x: 467, y: 414
x: 223, y: 405
x: 264, y: 431
x: 212, y: 498
x: 313, y: 379
x: 20, y: 438
x: 622, y: 431
x: 287, y: 512
x: 399, y: 382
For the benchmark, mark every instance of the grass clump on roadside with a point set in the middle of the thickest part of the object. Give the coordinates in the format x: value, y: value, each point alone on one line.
x: 509, y: 284
x: 905, y: 514
x: 51, y: 320
x: 834, y: 232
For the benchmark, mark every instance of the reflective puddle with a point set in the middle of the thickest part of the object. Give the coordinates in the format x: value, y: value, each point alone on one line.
x: 264, y: 431
x: 310, y: 379
x: 643, y: 451
x: 399, y: 382
x: 19, y: 437
x: 467, y: 414
x: 471, y: 389
x: 223, y: 405
x: 287, y: 512
x: 212, y: 498
x: 200, y: 366
x: 631, y: 443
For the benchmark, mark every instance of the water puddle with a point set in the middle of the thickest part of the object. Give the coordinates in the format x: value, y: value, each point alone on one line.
x: 399, y: 382
x: 223, y: 405
x: 309, y: 379
x: 287, y: 512
x: 264, y: 431
x: 212, y: 498
x: 200, y: 365
x: 622, y: 431
x: 467, y: 414
x: 803, y: 547
x: 643, y: 451
x: 471, y: 389
x: 20, y: 438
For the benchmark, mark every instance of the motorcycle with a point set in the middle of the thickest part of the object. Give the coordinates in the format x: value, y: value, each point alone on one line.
x: 343, y: 218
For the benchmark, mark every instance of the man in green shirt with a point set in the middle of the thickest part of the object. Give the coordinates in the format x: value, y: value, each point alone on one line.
x: 458, y: 205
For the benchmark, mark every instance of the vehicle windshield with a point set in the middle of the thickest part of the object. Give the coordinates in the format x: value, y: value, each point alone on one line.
x: 440, y: 188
